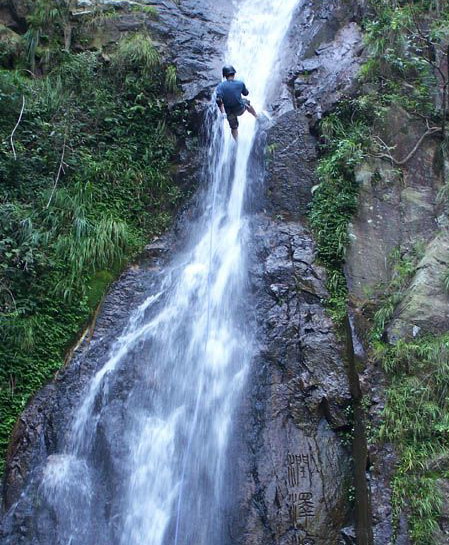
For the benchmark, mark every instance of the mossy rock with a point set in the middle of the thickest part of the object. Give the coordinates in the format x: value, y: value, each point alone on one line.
x: 425, y: 307
x: 11, y: 47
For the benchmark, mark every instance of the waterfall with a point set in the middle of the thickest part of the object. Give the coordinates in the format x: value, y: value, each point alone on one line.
x: 186, y: 351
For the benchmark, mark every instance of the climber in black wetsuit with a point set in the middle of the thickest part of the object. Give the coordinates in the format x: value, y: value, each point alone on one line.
x: 230, y: 101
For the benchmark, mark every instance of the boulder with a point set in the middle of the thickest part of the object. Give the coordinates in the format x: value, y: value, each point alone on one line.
x: 13, y: 14
x: 10, y: 46
x: 425, y: 306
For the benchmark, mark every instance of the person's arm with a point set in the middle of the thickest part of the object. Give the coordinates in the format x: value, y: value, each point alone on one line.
x: 245, y: 91
x: 219, y: 98
x: 219, y: 101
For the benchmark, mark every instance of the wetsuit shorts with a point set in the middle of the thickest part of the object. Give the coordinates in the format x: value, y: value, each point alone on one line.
x: 233, y: 114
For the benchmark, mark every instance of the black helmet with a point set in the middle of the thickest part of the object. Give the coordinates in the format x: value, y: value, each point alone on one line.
x: 228, y: 70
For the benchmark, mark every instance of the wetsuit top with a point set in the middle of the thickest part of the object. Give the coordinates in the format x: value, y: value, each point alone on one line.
x: 229, y: 93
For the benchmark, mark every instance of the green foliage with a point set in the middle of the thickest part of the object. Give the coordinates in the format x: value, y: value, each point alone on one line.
x: 402, y: 38
x: 136, y: 51
x: 416, y: 420
x: 335, y: 198
x: 49, y: 29
x: 403, y: 266
x: 148, y: 10
x: 171, y: 83
x: 89, y: 186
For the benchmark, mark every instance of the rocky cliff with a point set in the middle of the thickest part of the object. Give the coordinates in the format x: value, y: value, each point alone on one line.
x: 291, y: 471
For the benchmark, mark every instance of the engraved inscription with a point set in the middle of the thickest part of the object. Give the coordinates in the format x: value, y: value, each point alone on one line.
x: 298, y: 467
x: 307, y: 540
x: 300, y: 503
x: 300, y: 506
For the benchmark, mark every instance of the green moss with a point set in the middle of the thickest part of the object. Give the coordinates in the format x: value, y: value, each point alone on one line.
x: 98, y: 284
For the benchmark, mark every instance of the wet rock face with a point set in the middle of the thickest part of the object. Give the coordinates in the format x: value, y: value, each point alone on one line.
x: 195, y: 35
x: 322, y: 79
x: 294, y: 472
x: 41, y: 429
x: 291, y: 158
x: 322, y: 56
x: 294, y: 468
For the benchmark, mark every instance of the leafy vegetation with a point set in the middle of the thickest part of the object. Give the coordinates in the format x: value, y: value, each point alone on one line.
x: 84, y: 163
x: 406, y: 68
x: 416, y: 417
x: 347, y: 137
x: 416, y: 420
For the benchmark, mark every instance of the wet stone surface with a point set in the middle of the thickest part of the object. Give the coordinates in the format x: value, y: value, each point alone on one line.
x: 295, y: 467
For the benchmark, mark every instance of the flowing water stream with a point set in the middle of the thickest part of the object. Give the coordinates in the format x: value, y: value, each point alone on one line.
x: 190, y: 345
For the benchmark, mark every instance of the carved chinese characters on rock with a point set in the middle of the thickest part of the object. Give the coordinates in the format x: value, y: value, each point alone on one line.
x: 299, y: 467
x: 308, y: 540
x: 301, y: 505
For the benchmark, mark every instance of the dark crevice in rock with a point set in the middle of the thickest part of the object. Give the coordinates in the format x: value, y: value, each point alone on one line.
x: 362, y: 507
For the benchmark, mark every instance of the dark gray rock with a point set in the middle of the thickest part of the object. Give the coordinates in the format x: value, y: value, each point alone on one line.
x: 194, y: 37
x: 294, y: 466
x: 322, y: 80
x: 290, y: 165
x: 321, y: 57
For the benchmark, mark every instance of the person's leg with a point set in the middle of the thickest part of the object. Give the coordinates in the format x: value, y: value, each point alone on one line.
x: 251, y: 110
x: 234, y: 124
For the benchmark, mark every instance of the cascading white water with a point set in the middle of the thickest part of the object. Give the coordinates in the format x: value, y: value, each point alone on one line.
x: 190, y: 345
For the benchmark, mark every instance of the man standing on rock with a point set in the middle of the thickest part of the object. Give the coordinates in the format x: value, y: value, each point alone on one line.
x: 230, y: 101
